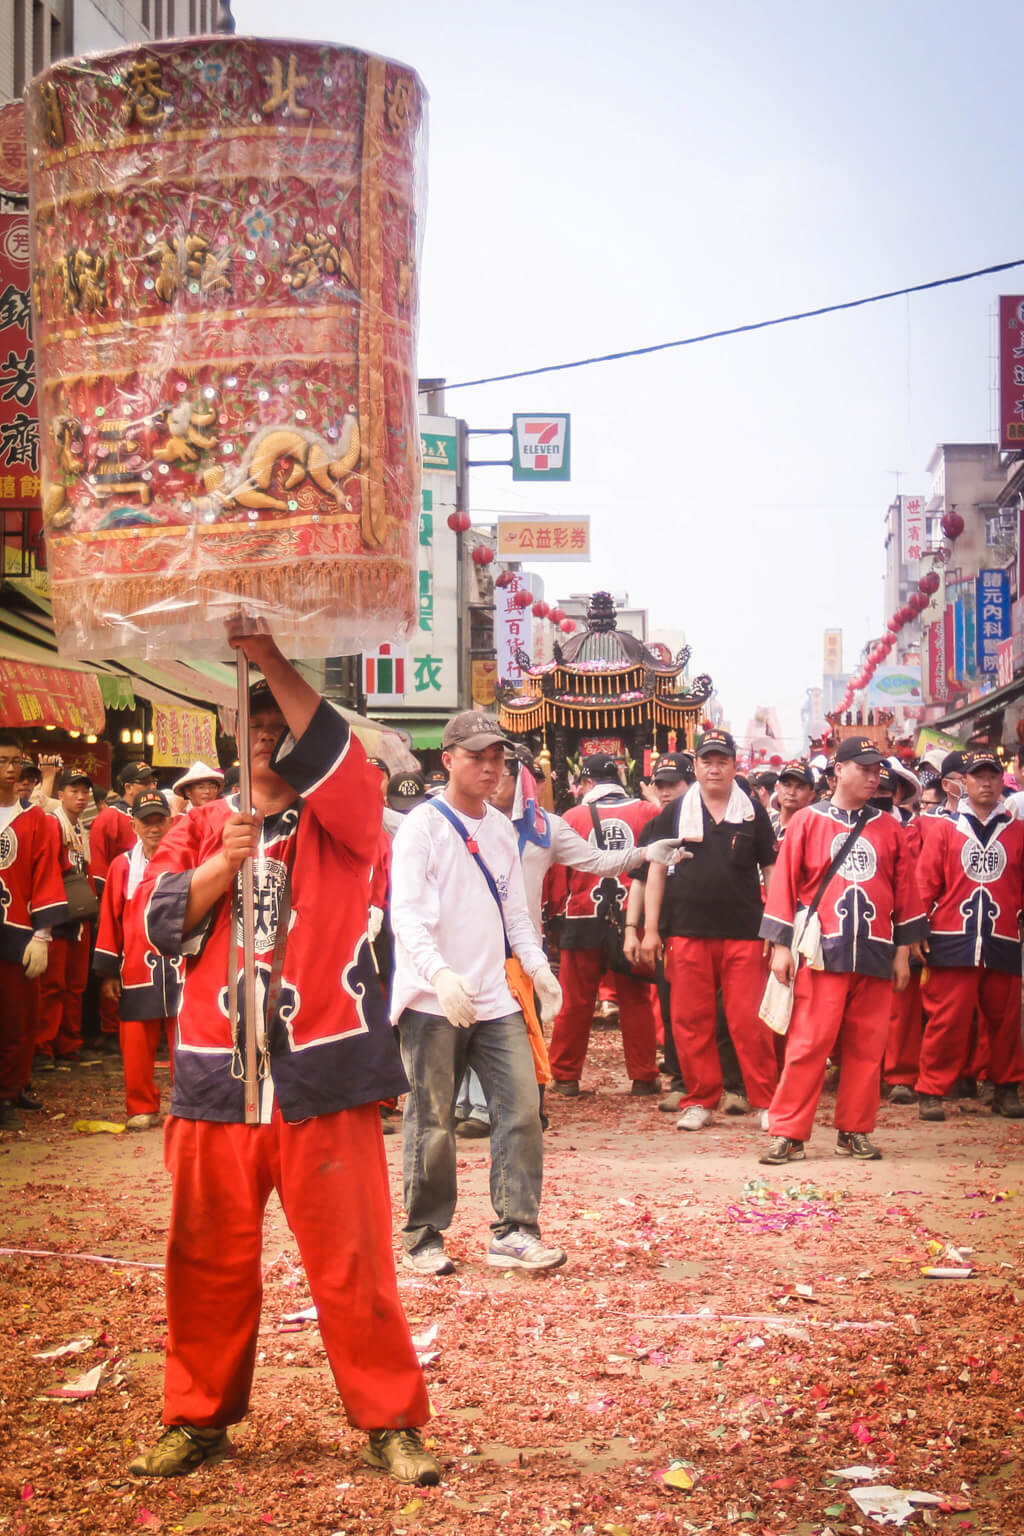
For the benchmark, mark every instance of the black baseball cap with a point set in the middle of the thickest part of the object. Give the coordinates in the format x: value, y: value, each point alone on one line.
x: 406, y: 790
x: 599, y: 767
x: 27, y: 768
x: 379, y: 764
x: 953, y: 762
x: 797, y: 770
x: 885, y: 780
x: 859, y: 749
x: 69, y: 776
x: 472, y: 730
x: 984, y: 757
x: 135, y: 773
x: 716, y: 741
x: 673, y: 766
x: 150, y: 803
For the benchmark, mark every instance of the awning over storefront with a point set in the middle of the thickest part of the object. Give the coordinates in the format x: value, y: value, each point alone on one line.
x: 425, y: 730
x: 980, y: 710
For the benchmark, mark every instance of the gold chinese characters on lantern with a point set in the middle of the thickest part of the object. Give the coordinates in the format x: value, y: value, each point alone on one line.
x: 225, y: 246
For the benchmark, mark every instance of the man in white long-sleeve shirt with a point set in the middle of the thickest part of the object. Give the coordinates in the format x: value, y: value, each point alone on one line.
x: 458, y: 908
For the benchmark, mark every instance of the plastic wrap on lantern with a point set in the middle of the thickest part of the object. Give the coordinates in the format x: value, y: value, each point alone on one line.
x: 225, y: 248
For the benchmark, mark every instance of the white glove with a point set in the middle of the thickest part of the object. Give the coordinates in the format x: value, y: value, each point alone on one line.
x: 549, y: 993
x: 457, y: 998
x: 35, y: 958
x: 667, y: 850
x: 374, y: 923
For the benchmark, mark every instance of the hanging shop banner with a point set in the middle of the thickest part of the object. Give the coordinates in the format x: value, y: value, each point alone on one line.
x: 912, y: 530
x: 833, y: 663
x: 49, y: 696
x: 181, y: 734
x: 543, y: 538
x: 993, y: 620
x: 928, y: 736
x: 895, y: 685
x: 1011, y: 372
x: 513, y: 630
x: 19, y: 424
x: 938, y: 682
x: 485, y: 684
x: 540, y: 446
x: 1004, y: 663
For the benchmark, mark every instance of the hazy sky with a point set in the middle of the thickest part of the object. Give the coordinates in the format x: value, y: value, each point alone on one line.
x: 607, y: 176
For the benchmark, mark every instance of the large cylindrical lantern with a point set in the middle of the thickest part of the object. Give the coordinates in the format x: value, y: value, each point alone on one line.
x: 225, y: 243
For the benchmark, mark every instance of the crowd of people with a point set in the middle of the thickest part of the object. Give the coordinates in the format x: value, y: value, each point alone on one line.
x: 444, y: 941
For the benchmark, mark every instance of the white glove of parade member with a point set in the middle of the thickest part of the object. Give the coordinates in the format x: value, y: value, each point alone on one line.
x: 374, y: 923
x: 667, y: 850
x: 457, y: 998
x: 549, y: 993
x: 35, y: 958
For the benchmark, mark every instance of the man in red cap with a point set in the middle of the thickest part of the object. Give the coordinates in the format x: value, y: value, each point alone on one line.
x: 971, y: 878
x: 869, y: 914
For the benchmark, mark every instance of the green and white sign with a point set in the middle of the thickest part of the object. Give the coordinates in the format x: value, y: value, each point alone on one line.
x: 437, y: 450
x: 540, y: 446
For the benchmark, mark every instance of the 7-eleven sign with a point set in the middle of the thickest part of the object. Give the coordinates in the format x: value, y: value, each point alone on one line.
x: 384, y: 671
x: 540, y: 446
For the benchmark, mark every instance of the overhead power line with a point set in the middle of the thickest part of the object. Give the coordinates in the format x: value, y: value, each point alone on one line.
x: 738, y: 330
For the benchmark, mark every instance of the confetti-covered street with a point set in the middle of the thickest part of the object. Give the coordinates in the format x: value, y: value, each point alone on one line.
x: 723, y: 1342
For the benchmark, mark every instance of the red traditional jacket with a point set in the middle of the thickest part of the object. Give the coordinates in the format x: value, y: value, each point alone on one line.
x: 329, y: 1045
x: 971, y: 878
x: 150, y: 981
x: 31, y: 886
x: 870, y: 905
x: 585, y: 901
x: 112, y: 832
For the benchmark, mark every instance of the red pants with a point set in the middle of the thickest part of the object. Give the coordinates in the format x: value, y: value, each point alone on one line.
x: 906, y: 1024
x: 694, y: 970
x: 140, y: 1040
x: 829, y: 1007
x: 332, y: 1180
x: 59, y: 1027
x: 17, y: 1028
x: 950, y: 997
x: 580, y: 975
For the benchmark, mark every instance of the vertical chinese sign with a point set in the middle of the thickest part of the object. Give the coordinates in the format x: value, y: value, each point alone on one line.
x: 993, y: 621
x: 1011, y: 372
x: 423, y: 674
x: 912, y: 531
x: 513, y: 630
x: 832, y: 664
x: 19, y: 425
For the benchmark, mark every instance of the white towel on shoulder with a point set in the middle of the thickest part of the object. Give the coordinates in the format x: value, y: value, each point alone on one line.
x: 691, y: 817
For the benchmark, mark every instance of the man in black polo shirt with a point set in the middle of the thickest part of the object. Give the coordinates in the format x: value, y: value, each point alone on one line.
x: 713, y: 910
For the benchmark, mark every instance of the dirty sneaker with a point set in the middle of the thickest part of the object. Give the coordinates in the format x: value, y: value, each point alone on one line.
x: 523, y: 1250
x: 180, y: 1449
x: 782, y: 1149
x: 1006, y: 1101
x: 856, y: 1144
x: 142, y: 1122
x: 402, y: 1454
x: 693, y: 1118
x: 429, y: 1259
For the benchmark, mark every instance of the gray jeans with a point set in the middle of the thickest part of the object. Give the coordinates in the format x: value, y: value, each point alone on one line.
x: 435, y: 1055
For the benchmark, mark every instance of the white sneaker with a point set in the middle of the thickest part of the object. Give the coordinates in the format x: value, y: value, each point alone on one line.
x: 693, y: 1118
x: 523, y: 1250
x: 764, y: 1120
x: 431, y: 1259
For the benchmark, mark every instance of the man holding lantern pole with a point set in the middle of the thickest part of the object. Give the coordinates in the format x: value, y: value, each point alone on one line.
x: 326, y: 1057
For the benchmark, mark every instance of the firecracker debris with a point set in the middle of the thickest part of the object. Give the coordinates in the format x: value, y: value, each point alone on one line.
x: 724, y: 1340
